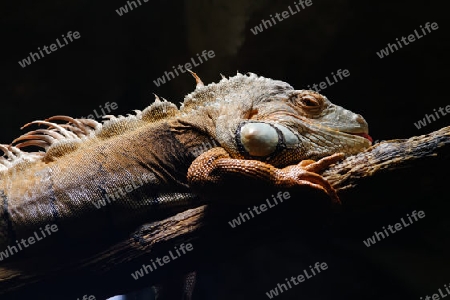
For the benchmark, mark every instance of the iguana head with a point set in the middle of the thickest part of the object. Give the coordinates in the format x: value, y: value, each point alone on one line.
x: 260, y: 118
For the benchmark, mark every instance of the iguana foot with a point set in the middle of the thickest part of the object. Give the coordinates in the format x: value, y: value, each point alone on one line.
x: 212, y: 167
x: 305, y: 173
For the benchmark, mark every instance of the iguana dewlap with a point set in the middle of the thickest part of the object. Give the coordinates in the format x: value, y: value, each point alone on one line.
x: 266, y: 131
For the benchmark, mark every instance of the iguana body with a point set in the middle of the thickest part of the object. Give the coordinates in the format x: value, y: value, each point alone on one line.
x: 267, y: 132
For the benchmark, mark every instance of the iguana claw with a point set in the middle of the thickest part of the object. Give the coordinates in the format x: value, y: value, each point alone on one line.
x: 305, y: 173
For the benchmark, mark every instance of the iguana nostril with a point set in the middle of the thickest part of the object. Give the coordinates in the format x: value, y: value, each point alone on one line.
x: 259, y: 139
x: 360, y: 120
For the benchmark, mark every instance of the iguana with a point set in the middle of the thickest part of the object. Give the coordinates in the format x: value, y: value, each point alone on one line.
x: 85, y: 182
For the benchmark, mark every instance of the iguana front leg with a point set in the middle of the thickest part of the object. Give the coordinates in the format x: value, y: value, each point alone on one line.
x: 210, y: 169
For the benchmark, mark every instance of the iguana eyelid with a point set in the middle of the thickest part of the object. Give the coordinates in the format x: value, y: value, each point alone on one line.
x: 303, y: 98
x: 309, y: 102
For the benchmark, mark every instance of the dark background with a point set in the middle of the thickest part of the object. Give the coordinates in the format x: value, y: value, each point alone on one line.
x: 118, y: 57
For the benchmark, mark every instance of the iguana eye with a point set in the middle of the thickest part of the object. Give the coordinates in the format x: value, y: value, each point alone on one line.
x: 309, y: 102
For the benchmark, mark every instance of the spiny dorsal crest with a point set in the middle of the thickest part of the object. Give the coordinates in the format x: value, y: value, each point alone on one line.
x: 228, y: 89
x: 59, y: 139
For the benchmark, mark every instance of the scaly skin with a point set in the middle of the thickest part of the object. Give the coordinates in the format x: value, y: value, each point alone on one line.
x: 268, y: 132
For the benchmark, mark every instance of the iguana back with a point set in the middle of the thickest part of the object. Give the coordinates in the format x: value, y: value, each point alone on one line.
x: 95, y: 181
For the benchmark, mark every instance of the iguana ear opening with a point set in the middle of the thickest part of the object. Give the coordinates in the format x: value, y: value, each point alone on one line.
x: 259, y: 139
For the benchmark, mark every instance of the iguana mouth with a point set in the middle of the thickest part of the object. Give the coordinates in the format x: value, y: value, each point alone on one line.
x: 364, y: 135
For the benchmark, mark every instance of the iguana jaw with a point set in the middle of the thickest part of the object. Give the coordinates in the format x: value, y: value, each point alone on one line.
x: 364, y: 135
x: 359, y: 129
